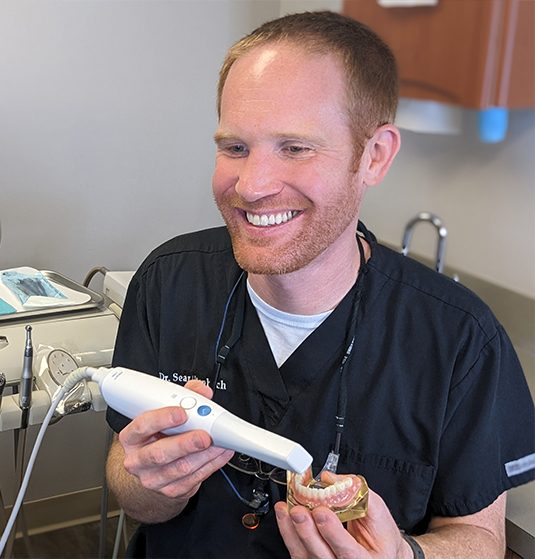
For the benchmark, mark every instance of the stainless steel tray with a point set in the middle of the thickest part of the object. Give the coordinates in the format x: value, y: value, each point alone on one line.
x: 95, y: 300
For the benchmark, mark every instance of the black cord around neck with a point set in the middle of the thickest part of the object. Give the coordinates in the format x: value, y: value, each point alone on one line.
x: 350, y: 343
x: 223, y: 351
x: 237, y: 326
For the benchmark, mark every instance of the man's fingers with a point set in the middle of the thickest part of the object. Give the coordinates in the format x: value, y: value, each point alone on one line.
x: 316, y: 534
x: 188, y: 485
x: 186, y: 473
x: 378, y: 531
x: 301, y: 535
x: 199, y: 465
x: 308, y: 533
x: 201, y: 388
x: 335, y: 535
x: 147, y: 425
x: 170, y: 459
x: 320, y: 534
x: 168, y: 449
x: 289, y: 535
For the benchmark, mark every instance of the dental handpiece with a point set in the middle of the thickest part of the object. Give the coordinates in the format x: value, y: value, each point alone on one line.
x: 26, y: 380
x: 3, y: 382
x: 132, y: 393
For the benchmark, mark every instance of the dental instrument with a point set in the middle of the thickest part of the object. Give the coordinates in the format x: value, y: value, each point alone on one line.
x: 85, y: 328
x: 3, y: 383
x: 26, y: 380
x: 25, y: 401
x: 131, y: 393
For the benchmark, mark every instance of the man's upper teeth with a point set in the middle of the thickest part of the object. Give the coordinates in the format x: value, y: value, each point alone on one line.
x: 265, y: 220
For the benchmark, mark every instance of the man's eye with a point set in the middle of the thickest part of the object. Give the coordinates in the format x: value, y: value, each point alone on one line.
x: 297, y: 150
x: 232, y: 150
x: 237, y: 149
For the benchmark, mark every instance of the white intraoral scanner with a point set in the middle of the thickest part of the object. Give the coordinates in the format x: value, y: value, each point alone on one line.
x: 133, y: 393
x: 74, y: 348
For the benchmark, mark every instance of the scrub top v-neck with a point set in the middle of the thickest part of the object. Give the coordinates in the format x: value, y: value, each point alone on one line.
x: 424, y: 425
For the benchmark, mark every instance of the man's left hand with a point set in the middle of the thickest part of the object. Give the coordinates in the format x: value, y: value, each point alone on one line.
x: 320, y: 534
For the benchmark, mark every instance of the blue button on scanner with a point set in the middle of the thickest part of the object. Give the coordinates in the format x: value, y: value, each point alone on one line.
x: 204, y: 410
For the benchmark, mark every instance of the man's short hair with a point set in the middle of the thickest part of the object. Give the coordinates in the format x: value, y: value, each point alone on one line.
x: 369, y: 65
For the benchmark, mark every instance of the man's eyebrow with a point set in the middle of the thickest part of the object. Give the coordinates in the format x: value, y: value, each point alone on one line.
x: 300, y: 137
x: 221, y: 136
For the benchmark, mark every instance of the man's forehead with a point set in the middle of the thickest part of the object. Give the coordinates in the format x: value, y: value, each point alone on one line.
x: 283, y: 78
x: 287, y: 67
x: 262, y: 58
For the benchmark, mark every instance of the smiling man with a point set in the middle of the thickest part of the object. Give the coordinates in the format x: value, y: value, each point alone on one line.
x: 286, y: 181
x: 296, y: 319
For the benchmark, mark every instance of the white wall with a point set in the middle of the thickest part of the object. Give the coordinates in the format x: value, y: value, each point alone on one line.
x: 484, y: 194
x: 294, y: 6
x: 107, y: 110
x: 106, y: 118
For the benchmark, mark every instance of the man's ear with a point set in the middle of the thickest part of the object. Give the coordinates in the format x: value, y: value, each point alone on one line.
x: 379, y: 153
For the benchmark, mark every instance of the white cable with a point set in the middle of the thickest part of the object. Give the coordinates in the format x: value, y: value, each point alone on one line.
x: 70, y: 382
x: 118, y: 535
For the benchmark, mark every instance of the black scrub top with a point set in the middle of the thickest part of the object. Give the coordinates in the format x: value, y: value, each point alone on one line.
x: 438, y: 406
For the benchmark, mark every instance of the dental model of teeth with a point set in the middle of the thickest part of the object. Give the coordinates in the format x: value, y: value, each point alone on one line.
x: 345, y: 495
x: 266, y: 220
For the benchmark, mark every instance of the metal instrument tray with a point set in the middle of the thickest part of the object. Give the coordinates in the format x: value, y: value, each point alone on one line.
x: 95, y: 300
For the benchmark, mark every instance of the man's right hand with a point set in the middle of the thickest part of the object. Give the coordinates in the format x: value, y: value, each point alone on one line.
x: 173, y: 467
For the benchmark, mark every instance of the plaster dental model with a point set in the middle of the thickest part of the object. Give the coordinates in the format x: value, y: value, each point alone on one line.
x: 346, y: 495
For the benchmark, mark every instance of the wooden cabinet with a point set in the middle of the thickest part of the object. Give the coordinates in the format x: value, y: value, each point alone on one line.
x: 473, y: 53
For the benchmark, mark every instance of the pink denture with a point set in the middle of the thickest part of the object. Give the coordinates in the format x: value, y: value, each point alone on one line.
x: 333, y: 490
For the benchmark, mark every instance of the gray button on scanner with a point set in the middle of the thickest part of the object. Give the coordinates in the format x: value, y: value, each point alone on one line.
x: 188, y: 402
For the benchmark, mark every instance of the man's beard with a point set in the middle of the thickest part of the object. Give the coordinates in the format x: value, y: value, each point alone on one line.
x: 317, y: 232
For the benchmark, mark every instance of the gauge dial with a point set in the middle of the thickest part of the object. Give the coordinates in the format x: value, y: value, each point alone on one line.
x: 60, y: 365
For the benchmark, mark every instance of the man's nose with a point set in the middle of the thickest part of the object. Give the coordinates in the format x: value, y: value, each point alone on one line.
x: 258, y: 178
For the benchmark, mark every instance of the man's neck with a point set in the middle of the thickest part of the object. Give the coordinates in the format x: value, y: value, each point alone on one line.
x: 316, y: 288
